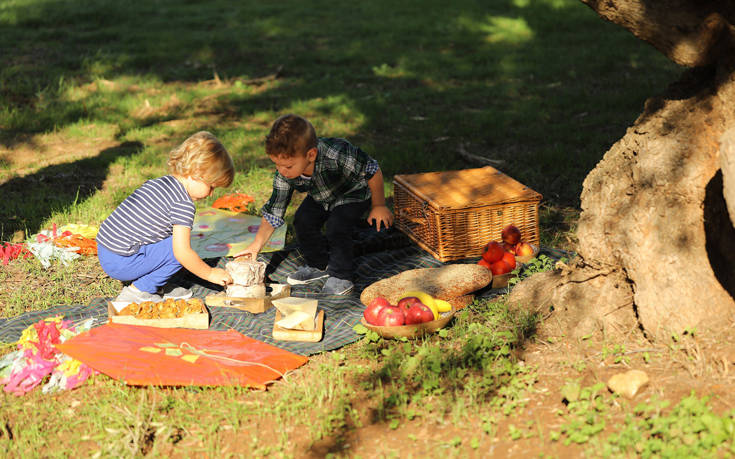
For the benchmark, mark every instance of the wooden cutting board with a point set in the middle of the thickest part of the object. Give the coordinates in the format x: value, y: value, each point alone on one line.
x: 254, y: 305
x: 309, y: 336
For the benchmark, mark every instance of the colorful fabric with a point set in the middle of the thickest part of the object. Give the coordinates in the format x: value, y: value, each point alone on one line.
x: 236, y: 202
x: 46, y: 252
x: 10, y: 251
x: 48, y: 242
x: 140, y: 355
x: 341, y: 172
x: 82, y: 229
x: 77, y: 243
x: 221, y: 233
x: 37, y: 358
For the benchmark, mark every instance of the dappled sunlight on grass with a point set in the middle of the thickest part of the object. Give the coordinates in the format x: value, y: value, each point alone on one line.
x: 386, y: 71
x: 555, y: 4
x: 499, y: 29
x: 502, y: 80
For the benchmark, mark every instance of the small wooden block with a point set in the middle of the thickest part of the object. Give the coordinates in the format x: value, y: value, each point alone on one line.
x: 254, y: 305
x: 309, y: 336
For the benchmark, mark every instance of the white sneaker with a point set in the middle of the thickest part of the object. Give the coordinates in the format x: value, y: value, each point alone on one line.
x: 131, y: 294
x: 176, y: 293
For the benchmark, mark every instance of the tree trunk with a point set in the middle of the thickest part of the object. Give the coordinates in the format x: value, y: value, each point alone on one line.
x: 656, y: 237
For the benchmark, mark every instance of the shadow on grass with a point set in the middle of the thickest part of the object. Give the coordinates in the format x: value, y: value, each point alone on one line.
x: 29, y: 200
x: 477, y: 361
x: 523, y: 82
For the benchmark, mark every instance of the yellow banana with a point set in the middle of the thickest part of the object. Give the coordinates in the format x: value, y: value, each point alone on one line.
x: 425, y: 298
x: 442, y: 306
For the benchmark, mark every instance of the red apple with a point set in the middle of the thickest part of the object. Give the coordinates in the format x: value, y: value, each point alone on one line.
x: 509, y: 248
x: 373, y: 309
x: 382, y: 301
x: 413, y: 315
x: 524, y: 249
x: 511, y: 234
x: 510, y: 259
x: 484, y: 263
x: 419, y: 313
x: 493, y: 252
x: 500, y: 267
x: 391, y: 316
x: 426, y: 314
x: 405, y: 303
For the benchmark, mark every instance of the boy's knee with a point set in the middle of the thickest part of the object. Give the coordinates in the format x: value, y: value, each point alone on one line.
x: 336, y: 228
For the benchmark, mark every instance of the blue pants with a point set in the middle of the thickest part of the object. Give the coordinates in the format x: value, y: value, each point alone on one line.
x: 149, y: 269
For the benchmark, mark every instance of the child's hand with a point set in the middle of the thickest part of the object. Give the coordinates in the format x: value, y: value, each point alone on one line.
x: 219, y: 276
x: 250, y: 252
x: 380, y: 215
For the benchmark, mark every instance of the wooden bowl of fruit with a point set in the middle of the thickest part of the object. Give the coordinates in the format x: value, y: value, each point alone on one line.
x: 502, y: 257
x: 410, y: 318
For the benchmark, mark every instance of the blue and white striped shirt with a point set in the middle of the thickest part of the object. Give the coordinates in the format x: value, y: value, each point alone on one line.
x: 147, y: 216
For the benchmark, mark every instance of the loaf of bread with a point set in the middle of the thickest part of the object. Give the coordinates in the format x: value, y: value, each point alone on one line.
x: 453, y: 283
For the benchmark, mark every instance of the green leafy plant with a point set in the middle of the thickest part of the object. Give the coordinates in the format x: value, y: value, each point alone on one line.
x: 541, y: 263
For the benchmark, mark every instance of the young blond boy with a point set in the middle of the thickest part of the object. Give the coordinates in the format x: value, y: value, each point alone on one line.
x: 146, y: 238
x: 342, y: 183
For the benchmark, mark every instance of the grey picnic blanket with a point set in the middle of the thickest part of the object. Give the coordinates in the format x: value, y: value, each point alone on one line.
x: 379, y: 257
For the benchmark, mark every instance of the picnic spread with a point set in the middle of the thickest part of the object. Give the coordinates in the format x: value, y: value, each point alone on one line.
x: 259, y: 328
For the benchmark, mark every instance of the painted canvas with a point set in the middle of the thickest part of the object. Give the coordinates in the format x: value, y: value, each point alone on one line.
x: 219, y: 233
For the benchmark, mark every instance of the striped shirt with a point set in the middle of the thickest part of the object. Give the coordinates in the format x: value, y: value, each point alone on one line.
x: 341, y: 172
x: 147, y: 216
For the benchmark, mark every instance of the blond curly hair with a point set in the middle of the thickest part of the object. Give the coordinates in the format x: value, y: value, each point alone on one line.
x: 204, y: 158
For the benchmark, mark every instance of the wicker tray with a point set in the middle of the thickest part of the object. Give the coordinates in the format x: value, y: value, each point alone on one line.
x: 454, y: 214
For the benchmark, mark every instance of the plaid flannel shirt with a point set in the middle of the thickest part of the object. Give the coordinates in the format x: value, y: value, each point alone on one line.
x: 341, y: 173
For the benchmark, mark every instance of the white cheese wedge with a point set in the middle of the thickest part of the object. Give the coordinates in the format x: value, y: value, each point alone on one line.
x: 294, y: 320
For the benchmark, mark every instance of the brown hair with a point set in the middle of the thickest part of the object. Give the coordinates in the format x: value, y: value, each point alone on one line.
x: 204, y: 158
x: 290, y: 135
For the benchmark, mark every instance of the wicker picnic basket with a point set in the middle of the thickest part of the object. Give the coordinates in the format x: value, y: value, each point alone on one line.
x: 454, y: 214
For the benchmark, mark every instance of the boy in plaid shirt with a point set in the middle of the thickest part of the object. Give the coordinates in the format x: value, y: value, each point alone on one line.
x: 342, y: 182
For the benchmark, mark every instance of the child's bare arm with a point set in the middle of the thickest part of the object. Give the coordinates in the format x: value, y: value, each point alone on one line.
x: 265, y: 231
x: 379, y: 213
x: 191, y: 261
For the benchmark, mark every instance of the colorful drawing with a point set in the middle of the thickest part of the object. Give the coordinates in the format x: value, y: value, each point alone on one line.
x: 219, y: 233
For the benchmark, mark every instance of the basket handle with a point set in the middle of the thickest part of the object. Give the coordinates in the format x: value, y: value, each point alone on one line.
x: 422, y: 219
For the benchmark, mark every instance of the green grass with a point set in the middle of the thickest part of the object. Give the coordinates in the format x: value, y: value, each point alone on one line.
x: 468, y: 373
x: 650, y: 429
x: 546, y: 86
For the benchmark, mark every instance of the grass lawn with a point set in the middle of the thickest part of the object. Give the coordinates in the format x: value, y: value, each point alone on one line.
x: 93, y: 96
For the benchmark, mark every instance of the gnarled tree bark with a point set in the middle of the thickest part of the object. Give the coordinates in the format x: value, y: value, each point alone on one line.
x: 656, y: 237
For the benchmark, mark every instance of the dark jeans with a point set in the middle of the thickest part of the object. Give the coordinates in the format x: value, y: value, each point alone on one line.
x: 334, y: 247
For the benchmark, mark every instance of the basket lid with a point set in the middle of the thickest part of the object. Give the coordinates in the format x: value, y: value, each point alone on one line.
x: 467, y: 188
